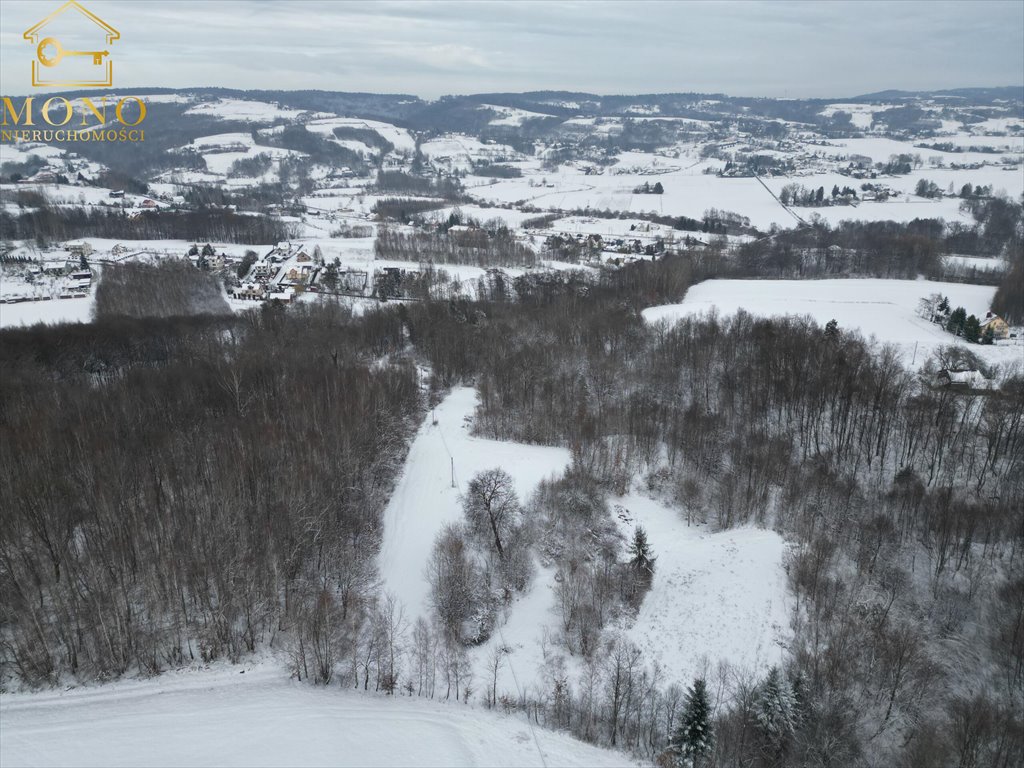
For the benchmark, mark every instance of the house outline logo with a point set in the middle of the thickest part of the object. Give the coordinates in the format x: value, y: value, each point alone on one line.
x: 50, y: 52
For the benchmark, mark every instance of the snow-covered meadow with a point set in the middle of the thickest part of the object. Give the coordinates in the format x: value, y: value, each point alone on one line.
x: 717, y: 597
x: 51, y: 312
x: 883, y: 309
x: 253, y: 715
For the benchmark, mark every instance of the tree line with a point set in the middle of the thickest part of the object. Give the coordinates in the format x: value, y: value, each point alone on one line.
x: 53, y: 224
x: 884, y: 248
x: 479, y: 248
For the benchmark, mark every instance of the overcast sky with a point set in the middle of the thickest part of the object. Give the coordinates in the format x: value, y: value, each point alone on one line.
x: 804, y: 48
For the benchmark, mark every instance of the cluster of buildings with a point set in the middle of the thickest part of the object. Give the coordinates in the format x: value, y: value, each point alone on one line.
x: 280, y: 274
x: 45, y: 280
x: 289, y: 269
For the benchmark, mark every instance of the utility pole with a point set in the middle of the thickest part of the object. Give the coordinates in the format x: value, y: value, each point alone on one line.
x: 453, y: 471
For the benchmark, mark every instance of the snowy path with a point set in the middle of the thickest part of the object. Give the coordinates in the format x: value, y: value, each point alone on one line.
x: 425, y: 500
x: 221, y: 717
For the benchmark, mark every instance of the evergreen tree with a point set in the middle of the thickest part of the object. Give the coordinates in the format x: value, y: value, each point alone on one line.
x: 641, y: 560
x: 972, y: 329
x: 798, y: 685
x: 775, y: 714
x: 832, y: 330
x: 83, y: 263
x: 658, y: 189
x: 957, y: 319
x: 330, y: 278
x: 246, y: 264
x: 417, y: 159
x: 693, y: 739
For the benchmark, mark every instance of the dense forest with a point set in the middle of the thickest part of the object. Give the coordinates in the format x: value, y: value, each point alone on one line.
x: 225, y: 477
x: 169, y: 289
x: 182, y: 488
x: 48, y: 224
x: 500, y: 249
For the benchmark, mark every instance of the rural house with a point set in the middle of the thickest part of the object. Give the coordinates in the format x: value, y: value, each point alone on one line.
x: 999, y: 327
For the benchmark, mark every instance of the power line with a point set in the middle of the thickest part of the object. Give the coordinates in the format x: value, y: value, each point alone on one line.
x: 504, y: 645
x: 522, y: 697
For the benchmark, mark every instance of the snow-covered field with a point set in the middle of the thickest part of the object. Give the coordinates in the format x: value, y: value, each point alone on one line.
x: 690, y: 192
x: 511, y: 217
x: 252, y: 715
x: 244, y: 110
x: 511, y: 115
x: 52, y: 312
x: 399, y: 138
x: 716, y: 597
x: 885, y: 309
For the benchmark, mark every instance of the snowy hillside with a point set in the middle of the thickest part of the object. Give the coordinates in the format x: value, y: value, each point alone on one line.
x: 885, y: 309
x: 254, y: 716
x: 284, y: 282
x: 717, y: 598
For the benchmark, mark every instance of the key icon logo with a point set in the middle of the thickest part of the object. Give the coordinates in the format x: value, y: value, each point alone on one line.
x: 75, y: 64
x: 50, y: 52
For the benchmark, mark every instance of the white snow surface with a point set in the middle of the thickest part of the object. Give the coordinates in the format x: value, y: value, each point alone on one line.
x: 424, y: 499
x: 885, y: 309
x: 253, y: 715
x: 400, y: 138
x: 510, y: 216
x: 511, y: 115
x: 716, y: 596
x: 52, y: 312
x: 243, y: 110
